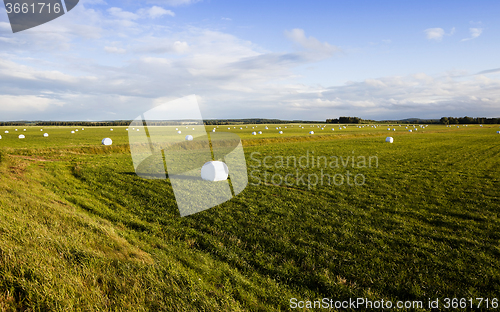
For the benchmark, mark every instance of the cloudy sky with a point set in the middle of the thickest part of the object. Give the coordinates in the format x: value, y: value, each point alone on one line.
x: 309, y: 60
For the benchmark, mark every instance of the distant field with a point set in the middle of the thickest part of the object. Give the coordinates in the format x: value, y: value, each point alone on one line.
x: 411, y: 220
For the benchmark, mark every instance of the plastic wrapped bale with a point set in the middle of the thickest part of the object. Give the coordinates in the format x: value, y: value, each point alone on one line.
x: 409, y: 130
x: 72, y: 131
x: 213, y: 130
x: 389, y: 139
x: 281, y: 132
x: 189, y: 137
x: 107, y: 141
x: 214, y: 171
x: 179, y: 132
x: 254, y: 133
x: 21, y: 136
x: 498, y: 132
x: 110, y: 129
x: 333, y: 129
x: 45, y: 135
x: 260, y: 132
x: 311, y: 132
x: 6, y: 131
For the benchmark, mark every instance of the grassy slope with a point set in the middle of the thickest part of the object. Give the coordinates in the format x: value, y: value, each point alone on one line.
x: 80, y: 231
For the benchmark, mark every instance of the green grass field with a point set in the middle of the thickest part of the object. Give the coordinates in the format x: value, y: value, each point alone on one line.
x: 79, y: 230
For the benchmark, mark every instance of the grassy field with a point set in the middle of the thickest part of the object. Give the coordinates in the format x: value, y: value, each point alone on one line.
x: 416, y: 220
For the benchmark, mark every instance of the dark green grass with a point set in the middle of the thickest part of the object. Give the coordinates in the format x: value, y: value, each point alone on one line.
x: 80, y: 231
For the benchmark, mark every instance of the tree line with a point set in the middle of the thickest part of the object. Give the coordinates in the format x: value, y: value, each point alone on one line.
x: 468, y: 120
x: 345, y: 120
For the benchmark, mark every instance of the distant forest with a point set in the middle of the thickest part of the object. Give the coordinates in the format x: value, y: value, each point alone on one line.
x: 211, y: 122
x: 443, y: 120
x: 208, y: 122
x: 468, y: 120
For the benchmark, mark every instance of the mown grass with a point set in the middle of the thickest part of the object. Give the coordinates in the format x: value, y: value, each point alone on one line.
x: 80, y: 231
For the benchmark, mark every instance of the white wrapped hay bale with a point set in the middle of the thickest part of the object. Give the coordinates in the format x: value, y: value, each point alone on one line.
x: 254, y: 133
x: 389, y: 139
x: 214, y: 171
x: 189, y: 137
x: 45, y: 135
x: 409, y: 130
x: 6, y: 131
x: 213, y: 130
x: 72, y: 131
x: 281, y: 132
x: 311, y: 132
x: 260, y: 132
x: 107, y: 141
x: 179, y: 132
x: 21, y: 136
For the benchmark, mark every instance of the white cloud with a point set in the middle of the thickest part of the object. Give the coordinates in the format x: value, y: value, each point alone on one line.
x: 474, y: 33
x: 115, y: 50
x: 119, y: 13
x: 314, y: 49
x: 298, y: 36
x: 435, y: 33
x: 26, y: 103
x: 156, y: 11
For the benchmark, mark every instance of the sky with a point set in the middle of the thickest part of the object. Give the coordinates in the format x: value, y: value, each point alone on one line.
x: 315, y: 60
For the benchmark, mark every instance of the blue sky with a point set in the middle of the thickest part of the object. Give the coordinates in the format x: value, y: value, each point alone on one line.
x: 109, y: 60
